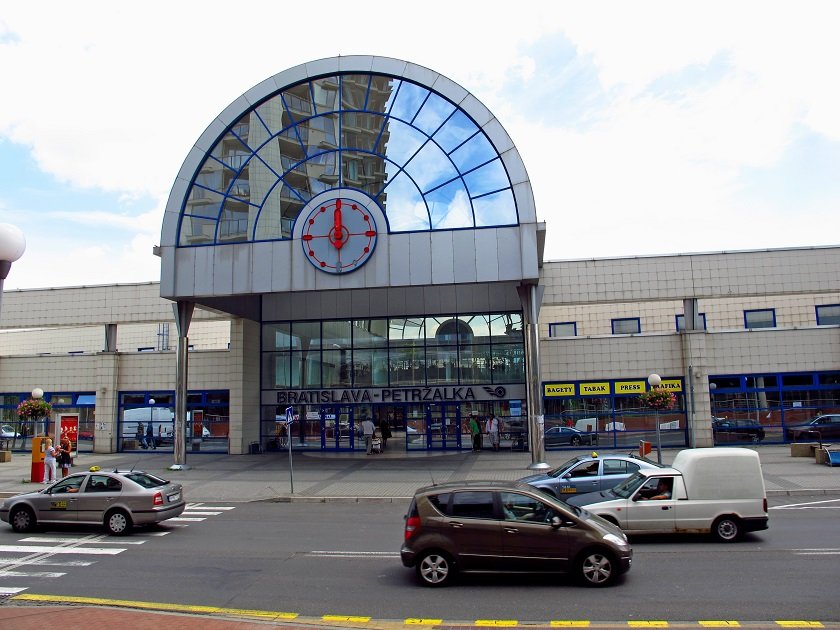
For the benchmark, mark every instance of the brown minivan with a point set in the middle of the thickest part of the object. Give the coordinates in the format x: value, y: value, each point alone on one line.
x: 496, y: 526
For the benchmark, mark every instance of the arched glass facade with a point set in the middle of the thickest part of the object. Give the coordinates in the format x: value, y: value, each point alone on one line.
x: 417, y: 155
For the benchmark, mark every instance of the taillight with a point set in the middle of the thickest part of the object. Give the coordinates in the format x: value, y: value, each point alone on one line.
x: 412, y: 526
x: 158, y: 500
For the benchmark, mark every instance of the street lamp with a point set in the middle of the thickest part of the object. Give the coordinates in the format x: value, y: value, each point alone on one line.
x: 151, y: 423
x: 12, y: 246
x: 654, y: 380
x: 38, y: 394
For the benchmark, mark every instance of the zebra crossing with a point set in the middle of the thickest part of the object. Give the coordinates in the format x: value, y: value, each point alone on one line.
x: 46, y: 556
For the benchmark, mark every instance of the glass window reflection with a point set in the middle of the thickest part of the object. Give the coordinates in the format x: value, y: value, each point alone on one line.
x: 430, y: 167
x: 471, y: 349
x: 358, y: 131
x: 449, y: 206
x: 408, y: 102
x: 496, y: 209
x: 404, y: 205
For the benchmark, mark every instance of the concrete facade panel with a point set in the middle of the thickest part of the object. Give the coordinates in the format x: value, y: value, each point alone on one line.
x: 443, y: 258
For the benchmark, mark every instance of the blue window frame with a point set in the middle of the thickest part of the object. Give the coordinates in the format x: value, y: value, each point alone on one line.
x: 828, y: 315
x: 399, y: 143
x: 681, y: 321
x: 626, y: 326
x: 562, y: 329
x: 760, y: 318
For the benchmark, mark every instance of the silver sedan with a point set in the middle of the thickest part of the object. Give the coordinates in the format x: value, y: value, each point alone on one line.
x: 117, y: 501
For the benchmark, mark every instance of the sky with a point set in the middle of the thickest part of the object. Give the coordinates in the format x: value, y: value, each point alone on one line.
x: 645, y: 127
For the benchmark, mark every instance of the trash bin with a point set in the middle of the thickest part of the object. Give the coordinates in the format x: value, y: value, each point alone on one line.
x: 196, y: 445
x: 254, y: 448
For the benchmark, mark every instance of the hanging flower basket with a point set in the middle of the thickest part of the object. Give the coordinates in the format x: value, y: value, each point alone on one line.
x: 34, y: 408
x: 658, y: 399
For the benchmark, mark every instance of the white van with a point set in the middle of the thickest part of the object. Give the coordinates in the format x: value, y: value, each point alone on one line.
x: 706, y: 490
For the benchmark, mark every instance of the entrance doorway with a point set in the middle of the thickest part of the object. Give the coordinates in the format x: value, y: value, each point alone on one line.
x: 338, y: 428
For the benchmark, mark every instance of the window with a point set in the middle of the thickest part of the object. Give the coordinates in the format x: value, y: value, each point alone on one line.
x: 518, y: 507
x: 681, y: 321
x: 627, y: 326
x: 472, y: 504
x: 585, y: 469
x: 619, y: 467
x: 563, y: 329
x: 762, y: 318
x: 828, y: 315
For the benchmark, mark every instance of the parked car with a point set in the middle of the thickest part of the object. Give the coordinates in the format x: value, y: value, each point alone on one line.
x: 824, y: 427
x: 588, y: 473
x: 718, y: 491
x: 507, y: 526
x: 569, y: 436
x: 117, y: 501
x: 7, y: 432
x: 725, y: 429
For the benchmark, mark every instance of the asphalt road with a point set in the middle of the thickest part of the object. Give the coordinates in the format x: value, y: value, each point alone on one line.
x: 342, y: 559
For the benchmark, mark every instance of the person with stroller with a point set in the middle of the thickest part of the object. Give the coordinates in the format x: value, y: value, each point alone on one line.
x: 368, y: 429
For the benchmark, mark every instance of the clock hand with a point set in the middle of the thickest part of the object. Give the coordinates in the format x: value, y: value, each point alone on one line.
x: 338, y: 236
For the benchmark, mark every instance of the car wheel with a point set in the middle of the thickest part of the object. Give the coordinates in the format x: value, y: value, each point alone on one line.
x: 118, y: 522
x: 755, y: 438
x: 727, y: 529
x: 596, y: 568
x: 435, y: 569
x: 575, y: 441
x: 22, y: 520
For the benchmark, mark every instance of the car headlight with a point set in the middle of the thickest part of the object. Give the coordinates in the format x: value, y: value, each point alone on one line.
x: 621, y: 541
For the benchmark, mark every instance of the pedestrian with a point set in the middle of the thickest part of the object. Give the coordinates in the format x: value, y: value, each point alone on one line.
x: 384, y: 431
x: 150, y: 436
x: 282, y: 435
x: 49, y: 461
x: 493, y: 431
x: 64, y: 460
x: 141, y: 435
x: 368, y: 429
x: 475, y: 431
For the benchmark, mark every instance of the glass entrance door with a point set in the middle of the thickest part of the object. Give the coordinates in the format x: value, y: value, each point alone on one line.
x: 338, y: 429
x: 443, y: 428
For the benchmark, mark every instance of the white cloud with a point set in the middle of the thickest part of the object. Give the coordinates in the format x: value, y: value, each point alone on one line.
x: 111, y: 97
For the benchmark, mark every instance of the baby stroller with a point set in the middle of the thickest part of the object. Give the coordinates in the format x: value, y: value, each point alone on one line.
x: 376, y: 443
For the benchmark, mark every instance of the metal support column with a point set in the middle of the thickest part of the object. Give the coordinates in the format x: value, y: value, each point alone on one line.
x: 183, y: 317
x: 530, y: 295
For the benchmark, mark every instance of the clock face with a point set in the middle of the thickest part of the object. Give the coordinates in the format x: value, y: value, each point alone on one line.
x: 339, y: 235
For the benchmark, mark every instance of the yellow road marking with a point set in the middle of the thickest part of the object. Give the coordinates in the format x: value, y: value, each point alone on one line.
x: 496, y: 623
x: 800, y: 624
x: 570, y: 624
x: 127, y: 603
x: 351, y: 618
x: 422, y: 622
x: 647, y: 624
x: 720, y: 624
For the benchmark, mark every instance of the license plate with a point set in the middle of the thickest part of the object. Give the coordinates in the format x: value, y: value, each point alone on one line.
x: 568, y: 490
x: 174, y: 497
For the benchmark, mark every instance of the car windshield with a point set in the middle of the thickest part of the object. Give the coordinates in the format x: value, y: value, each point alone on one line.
x: 564, y: 467
x: 627, y: 487
x: 146, y: 480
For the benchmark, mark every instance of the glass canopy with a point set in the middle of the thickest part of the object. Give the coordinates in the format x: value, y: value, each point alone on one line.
x: 416, y: 154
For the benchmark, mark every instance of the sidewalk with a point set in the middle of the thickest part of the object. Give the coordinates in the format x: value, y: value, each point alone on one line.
x: 392, y: 476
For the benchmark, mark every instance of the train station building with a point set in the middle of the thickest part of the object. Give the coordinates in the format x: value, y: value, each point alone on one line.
x: 357, y: 238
